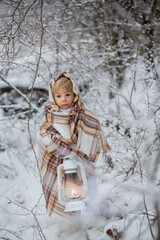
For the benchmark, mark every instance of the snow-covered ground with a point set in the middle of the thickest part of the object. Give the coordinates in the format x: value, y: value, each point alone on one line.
x: 128, y: 178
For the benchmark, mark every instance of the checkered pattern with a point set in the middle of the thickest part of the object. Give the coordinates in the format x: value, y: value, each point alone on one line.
x: 83, y: 130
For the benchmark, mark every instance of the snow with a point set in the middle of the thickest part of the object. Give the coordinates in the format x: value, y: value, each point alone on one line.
x: 120, y: 195
x: 128, y: 178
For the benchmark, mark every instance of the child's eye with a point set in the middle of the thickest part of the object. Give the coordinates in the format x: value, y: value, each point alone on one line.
x: 58, y: 96
x: 68, y: 94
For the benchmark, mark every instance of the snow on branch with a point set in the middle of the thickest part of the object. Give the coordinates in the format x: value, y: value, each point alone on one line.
x: 19, y: 92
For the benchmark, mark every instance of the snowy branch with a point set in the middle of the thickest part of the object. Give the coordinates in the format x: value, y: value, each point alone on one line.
x: 20, y: 93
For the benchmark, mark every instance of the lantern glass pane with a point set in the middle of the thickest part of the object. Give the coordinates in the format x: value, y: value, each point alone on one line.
x: 73, y: 186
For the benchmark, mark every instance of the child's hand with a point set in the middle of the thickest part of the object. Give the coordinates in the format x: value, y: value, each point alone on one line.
x: 66, y: 141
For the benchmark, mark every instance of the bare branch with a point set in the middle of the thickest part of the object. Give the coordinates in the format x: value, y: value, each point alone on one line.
x: 34, y: 80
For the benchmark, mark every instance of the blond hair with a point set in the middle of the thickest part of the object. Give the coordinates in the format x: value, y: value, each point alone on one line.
x: 62, y: 82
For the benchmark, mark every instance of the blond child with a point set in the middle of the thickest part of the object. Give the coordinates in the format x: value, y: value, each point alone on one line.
x: 67, y: 128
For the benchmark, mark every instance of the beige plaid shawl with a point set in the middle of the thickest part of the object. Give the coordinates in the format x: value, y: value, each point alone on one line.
x: 83, y: 130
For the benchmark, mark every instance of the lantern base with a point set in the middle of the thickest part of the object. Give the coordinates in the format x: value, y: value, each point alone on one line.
x: 75, y: 206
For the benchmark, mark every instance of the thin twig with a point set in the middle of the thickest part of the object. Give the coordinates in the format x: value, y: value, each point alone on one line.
x: 32, y: 89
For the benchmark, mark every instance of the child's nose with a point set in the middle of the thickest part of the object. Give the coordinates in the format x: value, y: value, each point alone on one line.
x: 64, y: 98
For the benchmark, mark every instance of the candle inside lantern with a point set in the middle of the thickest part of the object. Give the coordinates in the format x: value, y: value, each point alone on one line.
x: 74, y: 193
x: 73, y: 186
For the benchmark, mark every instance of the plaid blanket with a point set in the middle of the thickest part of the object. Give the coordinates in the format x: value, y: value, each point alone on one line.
x: 83, y: 130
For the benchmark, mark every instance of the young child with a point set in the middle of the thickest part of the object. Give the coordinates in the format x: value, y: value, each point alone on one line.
x: 67, y: 128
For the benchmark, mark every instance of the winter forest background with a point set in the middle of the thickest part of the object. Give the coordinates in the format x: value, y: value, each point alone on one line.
x: 112, y: 49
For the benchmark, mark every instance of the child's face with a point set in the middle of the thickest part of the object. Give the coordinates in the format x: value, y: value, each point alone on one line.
x: 63, y: 98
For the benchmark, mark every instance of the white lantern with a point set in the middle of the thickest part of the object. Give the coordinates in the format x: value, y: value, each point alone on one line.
x: 72, y: 184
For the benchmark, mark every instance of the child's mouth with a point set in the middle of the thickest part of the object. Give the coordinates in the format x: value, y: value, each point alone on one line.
x: 65, y: 105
